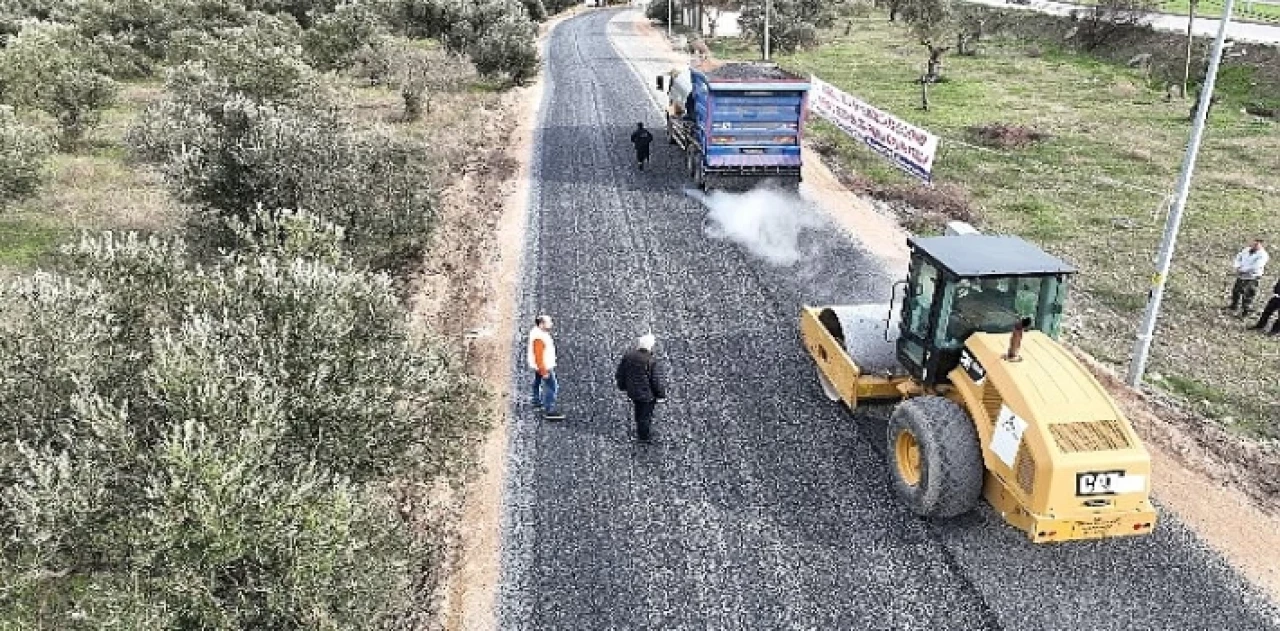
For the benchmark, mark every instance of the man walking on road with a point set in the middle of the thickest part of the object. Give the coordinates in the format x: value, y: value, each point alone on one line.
x: 542, y: 359
x: 641, y: 138
x: 1273, y: 305
x: 642, y: 378
x: 1249, y: 265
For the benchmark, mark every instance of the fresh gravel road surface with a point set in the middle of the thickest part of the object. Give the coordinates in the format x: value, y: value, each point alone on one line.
x: 762, y: 505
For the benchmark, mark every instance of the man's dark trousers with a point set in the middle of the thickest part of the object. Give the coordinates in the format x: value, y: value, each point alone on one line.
x: 644, y: 417
x: 1242, y: 294
x: 642, y: 154
x: 1273, y: 306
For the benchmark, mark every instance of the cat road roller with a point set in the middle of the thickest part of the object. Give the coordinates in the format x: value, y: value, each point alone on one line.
x: 989, y: 403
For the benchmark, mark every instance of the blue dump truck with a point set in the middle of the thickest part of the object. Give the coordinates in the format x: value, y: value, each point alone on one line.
x: 738, y: 122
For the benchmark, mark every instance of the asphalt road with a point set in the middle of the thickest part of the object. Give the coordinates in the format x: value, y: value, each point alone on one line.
x: 762, y: 505
x: 1203, y: 27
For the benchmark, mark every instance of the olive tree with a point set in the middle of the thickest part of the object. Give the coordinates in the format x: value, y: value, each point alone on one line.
x: 497, y: 35
x: 934, y: 23
x: 228, y: 154
x: 24, y: 151
x: 46, y: 66
x: 334, y: 38
x: 219, y: 446
x: 507, y: 46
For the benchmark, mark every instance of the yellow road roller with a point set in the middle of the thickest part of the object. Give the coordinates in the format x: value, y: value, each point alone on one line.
x: 988, y: 402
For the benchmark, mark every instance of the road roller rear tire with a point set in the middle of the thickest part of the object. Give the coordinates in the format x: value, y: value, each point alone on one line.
x: 935, y: 459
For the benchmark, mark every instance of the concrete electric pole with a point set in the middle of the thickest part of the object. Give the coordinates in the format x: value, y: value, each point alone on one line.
x: 669, y: 3
x: 1142, y: 346
x: 766, y: 29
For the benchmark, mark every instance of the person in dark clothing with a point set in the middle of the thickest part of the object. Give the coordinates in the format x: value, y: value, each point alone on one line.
x: 1272, y: 307
x: 644, y: 381
x: 641, y: 138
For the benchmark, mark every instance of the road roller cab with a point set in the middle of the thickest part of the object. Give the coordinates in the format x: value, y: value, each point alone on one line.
x: 960, y: 285
x: 991, y: 404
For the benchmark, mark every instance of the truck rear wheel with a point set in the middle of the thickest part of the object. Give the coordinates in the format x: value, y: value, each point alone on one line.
x: 935, y: 460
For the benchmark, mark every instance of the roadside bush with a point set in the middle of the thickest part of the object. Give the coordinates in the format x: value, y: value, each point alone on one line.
x: 217, y: 447
x: 658, y: 11
x: 497, y: 35
x: 24, y: 151
x: 556, y: 6
x: 1109, y: 21
x: 535, y: 10
x: 508, y: 46
x: 230, y: 156
x: 47, y: 67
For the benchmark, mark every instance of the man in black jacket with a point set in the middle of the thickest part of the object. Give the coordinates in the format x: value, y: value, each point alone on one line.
x: 641, y: 138
x: 642, y: 378
x: 1273, y: 306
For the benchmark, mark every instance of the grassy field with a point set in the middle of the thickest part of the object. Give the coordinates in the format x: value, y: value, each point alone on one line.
x: 91, y: 188
x: 1255, y: 12
x: 1263, y: 13
x: 1093, y: 193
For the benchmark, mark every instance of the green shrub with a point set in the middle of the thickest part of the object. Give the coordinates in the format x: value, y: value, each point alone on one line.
x: 793, y: 23
x: 77, y: 100
x: 508, y: 46
x: 24, y: 152
x: 146, y: 25
x: 220, y: 446
x: 535, y: 10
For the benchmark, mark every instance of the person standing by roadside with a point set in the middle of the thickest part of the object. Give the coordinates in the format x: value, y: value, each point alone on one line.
x: 1250, y: 264
x: 1273, y: 305
x: 641, y: 138
x: 642, y: 378
x: 542, y: 359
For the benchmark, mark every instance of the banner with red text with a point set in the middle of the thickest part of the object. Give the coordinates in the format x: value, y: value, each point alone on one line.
x: 909, y: 147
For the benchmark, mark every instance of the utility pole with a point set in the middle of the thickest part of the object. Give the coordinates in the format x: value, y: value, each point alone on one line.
x: 1142, y: 346
x: 1186, y: 74
x: 767, y: 5
x: 669, y: 3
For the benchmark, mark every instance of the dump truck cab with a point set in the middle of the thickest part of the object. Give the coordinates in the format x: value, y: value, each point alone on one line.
x: 960, y: 285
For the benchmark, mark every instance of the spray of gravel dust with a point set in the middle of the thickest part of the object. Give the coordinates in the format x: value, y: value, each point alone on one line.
x: 768, y: 223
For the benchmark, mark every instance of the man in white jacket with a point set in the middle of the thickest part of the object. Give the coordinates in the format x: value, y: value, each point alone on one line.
x: 541, y: 352
x: 1250, y: 264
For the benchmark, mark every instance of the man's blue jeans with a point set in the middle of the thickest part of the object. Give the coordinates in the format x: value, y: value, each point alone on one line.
x: 544, y: 390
